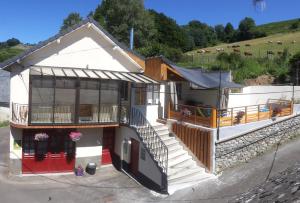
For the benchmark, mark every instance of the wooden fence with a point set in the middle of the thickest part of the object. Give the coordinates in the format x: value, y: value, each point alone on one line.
x: 197, y: 140
x: 208, y: 116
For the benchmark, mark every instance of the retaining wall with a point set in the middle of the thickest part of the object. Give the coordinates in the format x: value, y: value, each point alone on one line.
x: 239, y: 149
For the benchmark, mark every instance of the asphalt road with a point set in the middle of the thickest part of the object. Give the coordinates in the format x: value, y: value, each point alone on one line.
x: 110, y: 186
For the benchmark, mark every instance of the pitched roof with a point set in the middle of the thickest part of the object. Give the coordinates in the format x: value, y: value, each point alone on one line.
x: 203, y: 78
x: 41, y: 44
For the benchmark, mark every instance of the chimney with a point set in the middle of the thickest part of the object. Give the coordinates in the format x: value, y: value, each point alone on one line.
x: 131, y: 38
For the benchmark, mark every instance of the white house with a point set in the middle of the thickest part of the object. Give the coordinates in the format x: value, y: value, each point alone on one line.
x: 71, y: 100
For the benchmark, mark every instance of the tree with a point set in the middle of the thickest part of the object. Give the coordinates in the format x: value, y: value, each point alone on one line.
x: 12, y: 42
x: 295, y: 68
x: 246, y: 28
x: 71, y: 20
x: 119, y: 16
x: 220, y: 32
x: 202, y: 34
x: 229, y: 32
x: 170, y: 33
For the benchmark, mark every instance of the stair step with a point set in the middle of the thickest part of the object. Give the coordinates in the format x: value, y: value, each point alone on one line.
x: 194, y: 178
x: 162, y: 132
x: 182, y: 165
x: 178, y: 156
x: 174, y: 147
x: 160, y: 127
x: 186, y: 173
x: 171, y: 141
x: 176, y: 153
x: 178, y: 160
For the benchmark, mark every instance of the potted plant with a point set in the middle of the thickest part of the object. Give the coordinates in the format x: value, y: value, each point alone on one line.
x: 75, y: 136
x: 41, y: 136
x: 239, y: 117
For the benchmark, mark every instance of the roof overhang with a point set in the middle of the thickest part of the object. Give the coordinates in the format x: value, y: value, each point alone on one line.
x: 90, y: 73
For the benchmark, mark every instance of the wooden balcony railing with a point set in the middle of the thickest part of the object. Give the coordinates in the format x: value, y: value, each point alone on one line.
x: 65, y: 114
x: 208, y: 116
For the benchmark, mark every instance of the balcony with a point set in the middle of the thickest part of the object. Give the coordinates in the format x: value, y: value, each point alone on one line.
x: 69, y: 115
x: 210, y: 117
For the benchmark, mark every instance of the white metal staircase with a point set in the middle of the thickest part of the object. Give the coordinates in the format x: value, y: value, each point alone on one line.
x: 182, y: 171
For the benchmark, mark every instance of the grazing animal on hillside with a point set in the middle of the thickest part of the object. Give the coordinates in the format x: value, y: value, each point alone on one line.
x: 279, y: 52
x: 270, y: 41
x: 235, y: 46
x: 248, y: 45
x: 270, y: 52
x: 246, y: 53
x: 294, y: 42
x: 207, y: 51
x: 236, y: 50
x: 279, y: 42
x: 219, y: 49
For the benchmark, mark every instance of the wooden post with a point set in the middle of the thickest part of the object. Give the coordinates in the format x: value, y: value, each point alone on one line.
x: 195, y: 115
x: 231, y: 116
x: 270, y: 109
x: 246, y: 109
x: 258, y: 112
x: 169, y: 110
x: 292, y: 107
x: 213, y: 118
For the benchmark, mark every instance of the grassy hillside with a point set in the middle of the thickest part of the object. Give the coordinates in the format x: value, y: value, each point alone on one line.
x: 278, y: 27
x: 9, y: 52
x: 257, y: 47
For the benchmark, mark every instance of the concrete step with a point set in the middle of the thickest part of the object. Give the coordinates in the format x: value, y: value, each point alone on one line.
x: 160, y: 127
x: 176, y: 153
x: 186, y: 173
x: 174, y: 147
x: 177, y: 184
x: 181, y: 166
x: 162, y: 132
x: 180, y: 159
x: 171, y: 141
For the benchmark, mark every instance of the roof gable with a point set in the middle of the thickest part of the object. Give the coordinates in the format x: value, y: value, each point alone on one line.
x: 116, y: 49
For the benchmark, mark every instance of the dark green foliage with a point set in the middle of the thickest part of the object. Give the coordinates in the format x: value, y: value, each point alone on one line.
x: 220, y: 32
x: 170, y: 33
x: 294, y: 69
x: 4, y: 124
x: 12, y: 42
x: 247, y: 30
x: 71, y: 20
x: 202, y: 34
x: 156, y: 49
x: 295, y: 25
x: 118, y: 17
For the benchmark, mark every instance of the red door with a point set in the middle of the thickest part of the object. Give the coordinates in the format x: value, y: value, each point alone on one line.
x: 108, y: 145
x: 57, y: 154
x: 134, y: 157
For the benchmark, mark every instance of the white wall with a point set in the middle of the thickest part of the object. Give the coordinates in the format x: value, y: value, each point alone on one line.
x: 147, y: 166
x: 254, y: 95
x: 90, y: 144
x: 15, y: 134
x: 19, y: 85
x: 149, y: 111
x: 84, y: 47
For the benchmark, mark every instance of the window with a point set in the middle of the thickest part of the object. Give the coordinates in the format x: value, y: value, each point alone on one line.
x: 42, y: 99
x: 65, y: 100
x: 179, y: 90
x: 146, y: 94
x: 124, y: 91
x: 109, y: 101
x: 89, y: 101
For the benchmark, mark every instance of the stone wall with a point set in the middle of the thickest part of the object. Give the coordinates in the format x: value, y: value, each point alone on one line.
x: 239, y: 149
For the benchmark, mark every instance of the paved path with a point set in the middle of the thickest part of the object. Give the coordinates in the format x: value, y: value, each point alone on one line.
x: 111, y: 186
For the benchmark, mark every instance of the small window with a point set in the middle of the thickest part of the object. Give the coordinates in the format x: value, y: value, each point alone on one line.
x: 143, y: 154
x: 179, y: 90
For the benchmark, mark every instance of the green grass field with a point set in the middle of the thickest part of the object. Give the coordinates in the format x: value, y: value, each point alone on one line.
x: 278, y: 27
x: 258, y: 48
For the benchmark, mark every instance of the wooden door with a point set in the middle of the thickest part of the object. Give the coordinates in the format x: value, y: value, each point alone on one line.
x: 134, y: 157
x: 108, y: 145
